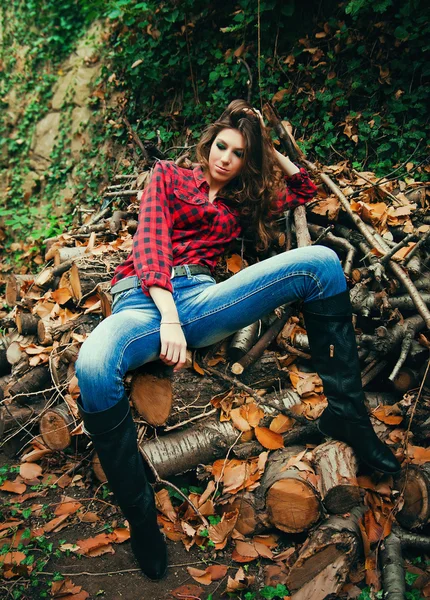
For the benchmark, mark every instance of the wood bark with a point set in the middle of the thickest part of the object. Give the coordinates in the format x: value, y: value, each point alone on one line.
x: 30, y: 388
x: 26, y: 323
x: 336, y: 464
x: 326, y: 558
x: 393, y: 572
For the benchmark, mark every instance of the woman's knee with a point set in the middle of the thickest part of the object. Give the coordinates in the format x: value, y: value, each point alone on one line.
x: 329, y: 270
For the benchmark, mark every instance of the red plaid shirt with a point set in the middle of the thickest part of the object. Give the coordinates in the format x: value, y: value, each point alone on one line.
x: 179, y: 226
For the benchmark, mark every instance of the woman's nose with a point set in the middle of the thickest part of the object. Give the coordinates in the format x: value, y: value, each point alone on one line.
x: 225, y: 157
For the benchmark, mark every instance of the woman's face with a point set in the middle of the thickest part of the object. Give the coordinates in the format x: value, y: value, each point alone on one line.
x: 226, y: 157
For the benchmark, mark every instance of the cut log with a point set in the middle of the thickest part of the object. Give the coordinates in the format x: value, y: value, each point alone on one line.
x: 12, y: 416
x: 152, y: 397
x: 243, y: 340
x: 103, y: 291
x: 85, y: 278
x: 44, y: 332
x: 14, y: 353
x: 414, y: 484
x: 183, y: 450
x: 14, y: 283
x: 26, y: 323
x: 251, y: 518
x: 64, y: 254
x: 336, y: 464
x: 31, y: 386
x: 292, y: 503
x: 326, y: 558
x: 55, y: 427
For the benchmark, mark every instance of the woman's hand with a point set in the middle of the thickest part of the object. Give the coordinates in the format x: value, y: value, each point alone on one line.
x: 173, y: 345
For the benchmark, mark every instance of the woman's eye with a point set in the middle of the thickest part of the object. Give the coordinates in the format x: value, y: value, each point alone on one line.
x: 239, y: 154
x: 220, y: 146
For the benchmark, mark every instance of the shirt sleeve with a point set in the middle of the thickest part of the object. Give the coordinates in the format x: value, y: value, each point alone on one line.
x: 299, y: 190
x: 152, y: 245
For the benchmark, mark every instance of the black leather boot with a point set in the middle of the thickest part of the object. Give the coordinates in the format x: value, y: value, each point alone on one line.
x: 334, y: 354
x: 113, y: 434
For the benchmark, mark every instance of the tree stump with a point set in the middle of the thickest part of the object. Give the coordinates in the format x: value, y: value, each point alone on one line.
x: 336, y: 464
x: 414, y: 483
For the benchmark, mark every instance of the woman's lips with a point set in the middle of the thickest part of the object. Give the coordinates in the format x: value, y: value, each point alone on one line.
x: 221, y: 169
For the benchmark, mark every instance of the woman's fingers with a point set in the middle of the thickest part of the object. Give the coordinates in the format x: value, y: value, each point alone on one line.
x: 173, y: 345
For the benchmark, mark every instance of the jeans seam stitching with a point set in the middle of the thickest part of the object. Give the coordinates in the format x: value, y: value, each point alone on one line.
x: 311, y: 275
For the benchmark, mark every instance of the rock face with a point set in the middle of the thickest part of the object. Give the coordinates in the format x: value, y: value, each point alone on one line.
x: 72, y: 91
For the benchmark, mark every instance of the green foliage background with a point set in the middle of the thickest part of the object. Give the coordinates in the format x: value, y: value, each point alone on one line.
x: 352, y: 78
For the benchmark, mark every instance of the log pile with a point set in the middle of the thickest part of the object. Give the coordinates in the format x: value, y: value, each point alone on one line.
x: 265, y: 400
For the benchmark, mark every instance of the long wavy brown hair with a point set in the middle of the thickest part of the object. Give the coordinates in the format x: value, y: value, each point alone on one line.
x: 255, y: 190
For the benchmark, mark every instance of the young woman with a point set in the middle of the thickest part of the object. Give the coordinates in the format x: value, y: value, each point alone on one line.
x: 165, y: 298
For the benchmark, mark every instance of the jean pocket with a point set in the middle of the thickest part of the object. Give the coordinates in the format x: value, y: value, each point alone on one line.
x: 204, y: 278
x: 122, y: 296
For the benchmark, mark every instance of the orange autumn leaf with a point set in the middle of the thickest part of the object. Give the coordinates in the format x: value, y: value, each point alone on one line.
x: 62, y: 295
x: 234, y: 263
x: 187, y: 592
x: 220, y: 532
x: 30, y: 470
x: 418, y: 454
x: 14, y: 488
x: 252, y: 413
x: 217, y: 572
x: 95, y: 546
x: 200, y: 576
x: 67, y: 508
x: 164, y: 504
x: 269, y: 439
x: 244, y: 552
x: 239, y: 421
x: 385, y: 414
x: 281, y: 424
x: 10, y: 565
x: 120, y: 535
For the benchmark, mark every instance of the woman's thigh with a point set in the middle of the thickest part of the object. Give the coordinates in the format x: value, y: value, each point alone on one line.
x: 304, y: 274
x: 124, y: 341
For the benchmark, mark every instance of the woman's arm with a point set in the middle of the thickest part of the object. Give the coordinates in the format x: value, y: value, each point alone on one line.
x: 173, y: 343
x: 152, y: 246
x: 288, y: 167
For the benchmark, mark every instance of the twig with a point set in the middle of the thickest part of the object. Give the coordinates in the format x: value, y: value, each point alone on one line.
x: 397, y: 247
x: 225, y: 462
x: 136, y: 140
x: 406, y: 346
x: 257, y: 350
x: 417, y: 246
x: 159, y: 481
x: 250, y: 80
x: 195, y: 418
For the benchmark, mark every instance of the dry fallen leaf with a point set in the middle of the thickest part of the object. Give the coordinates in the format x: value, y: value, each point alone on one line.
x: 67, y: 508
x: 187, y: 592
x: 29, y: 470
x: 14, y: 488
x: 269, y: 439
x: 281, y: 424
x: 234, y: 263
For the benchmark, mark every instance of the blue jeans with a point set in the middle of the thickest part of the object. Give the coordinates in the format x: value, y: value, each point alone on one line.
x: 208, y: 312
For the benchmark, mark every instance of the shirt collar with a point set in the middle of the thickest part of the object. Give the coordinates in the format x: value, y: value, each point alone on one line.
x: 199, y: 176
